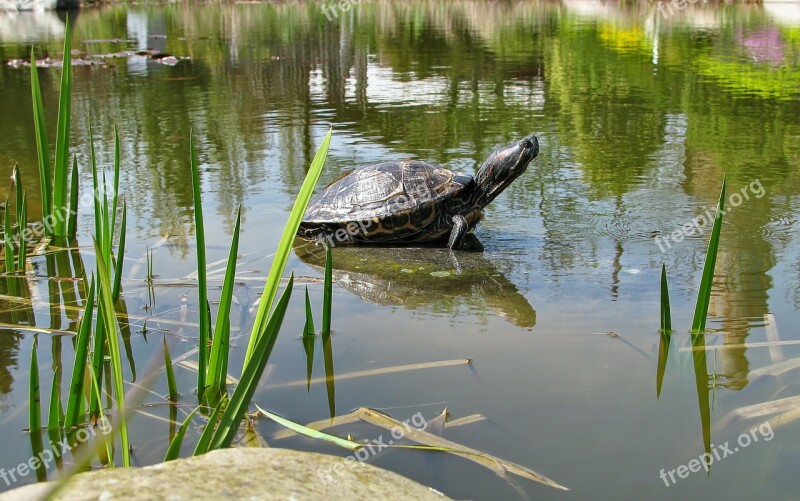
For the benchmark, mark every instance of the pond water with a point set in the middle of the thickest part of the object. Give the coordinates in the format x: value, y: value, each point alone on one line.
x: 639, y: 116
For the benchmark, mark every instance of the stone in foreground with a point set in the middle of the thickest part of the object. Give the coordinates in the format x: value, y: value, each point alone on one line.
x: 244, y: 473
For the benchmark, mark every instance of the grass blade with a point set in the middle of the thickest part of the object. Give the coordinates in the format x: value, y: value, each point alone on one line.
x: 311, y: 433
x: 218, y: 364
x: 109, y: 315
x: 308, y: 328
x: 45, y: 175
x: 666, y: 317
x: 285, y: 245
x: 251, y: 375
x: 61, y: 167
x: 75, y: 397
x: 205, y: 321
x: 174, y: 449
x: 171, y: 385
x: 707, y: 282
x: 34, y: 400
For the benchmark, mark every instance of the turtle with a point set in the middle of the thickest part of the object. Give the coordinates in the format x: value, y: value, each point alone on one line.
x: 411, y: 201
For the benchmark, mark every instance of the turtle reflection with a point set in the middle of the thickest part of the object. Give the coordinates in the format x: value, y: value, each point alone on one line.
x: 416, y: 278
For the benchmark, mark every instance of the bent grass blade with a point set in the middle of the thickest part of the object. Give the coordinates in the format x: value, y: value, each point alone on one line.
x: 497, y: 465
x: 309, y: 432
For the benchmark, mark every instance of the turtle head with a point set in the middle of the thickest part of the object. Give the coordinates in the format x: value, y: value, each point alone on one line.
x: 503, y: 167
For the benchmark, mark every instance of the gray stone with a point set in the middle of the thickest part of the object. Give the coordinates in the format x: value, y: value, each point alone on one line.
x: 243, y: 473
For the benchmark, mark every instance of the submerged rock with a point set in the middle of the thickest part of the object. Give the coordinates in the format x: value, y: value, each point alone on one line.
x: 243, y: 473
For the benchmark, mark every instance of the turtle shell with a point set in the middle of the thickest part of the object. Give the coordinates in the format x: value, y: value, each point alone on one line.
x: 400, y: 198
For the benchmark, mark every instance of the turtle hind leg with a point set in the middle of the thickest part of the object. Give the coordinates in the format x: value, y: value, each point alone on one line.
x: 459, y: 231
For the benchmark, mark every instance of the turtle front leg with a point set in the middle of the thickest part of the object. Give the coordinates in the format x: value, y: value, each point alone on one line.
x: 458, y: 232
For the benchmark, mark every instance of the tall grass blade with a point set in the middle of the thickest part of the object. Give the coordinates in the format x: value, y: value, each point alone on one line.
x: 109, y: 315
x: 240, y: 399
x: 707, y: 282
x: 218, y: 364
x: 61, y: 167
x: 75, y: 397
x: 205, y: 321
x: 120, y: 258
x: 327, y: 295
x: 45, y: 174
x: 174, y: 449
x: 285, y: 245
x: 34, y: 400
x: 72, y: 222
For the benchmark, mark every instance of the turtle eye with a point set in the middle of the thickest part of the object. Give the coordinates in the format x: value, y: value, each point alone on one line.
x: 526, y: 143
